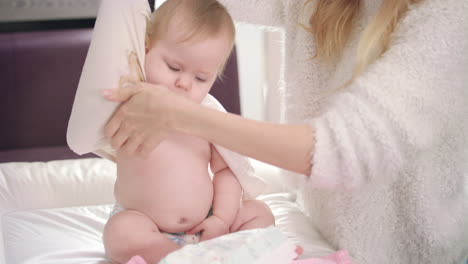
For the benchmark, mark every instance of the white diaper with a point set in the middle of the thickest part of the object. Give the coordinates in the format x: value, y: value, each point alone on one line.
x: 256, y: 246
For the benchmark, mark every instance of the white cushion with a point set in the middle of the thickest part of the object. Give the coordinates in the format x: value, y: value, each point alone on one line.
x: 54, y: 212
x: 73, y: 235
x: 34, y: 185
x: 61, y: 235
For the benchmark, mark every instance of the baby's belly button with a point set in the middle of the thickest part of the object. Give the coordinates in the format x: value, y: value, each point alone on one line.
x: 181, y: 217
x: 179, y: 223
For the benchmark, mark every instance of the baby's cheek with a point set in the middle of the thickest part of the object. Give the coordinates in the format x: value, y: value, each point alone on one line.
x: 151, y: 69
x: 149, y: 76
x: 153, y: 75
x: 148, y: 73
x: 201, y: 94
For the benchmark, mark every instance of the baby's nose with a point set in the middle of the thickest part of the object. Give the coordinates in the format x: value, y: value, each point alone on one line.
x: 184, y: 82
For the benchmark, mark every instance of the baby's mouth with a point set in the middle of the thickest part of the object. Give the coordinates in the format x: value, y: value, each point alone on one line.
x: 182, y: 93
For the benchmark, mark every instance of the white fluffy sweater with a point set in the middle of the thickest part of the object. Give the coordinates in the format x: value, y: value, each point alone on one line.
x: 391, y: 154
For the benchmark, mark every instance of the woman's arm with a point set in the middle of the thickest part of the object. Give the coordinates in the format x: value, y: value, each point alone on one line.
x: 409, y: 103
x: 286, y: 146
x: 151, y: 112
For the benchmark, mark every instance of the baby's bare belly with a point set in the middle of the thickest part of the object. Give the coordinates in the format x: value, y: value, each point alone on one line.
x: 172, y: 186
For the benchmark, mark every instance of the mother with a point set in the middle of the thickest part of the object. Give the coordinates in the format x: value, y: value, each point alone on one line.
x: 375, y: 114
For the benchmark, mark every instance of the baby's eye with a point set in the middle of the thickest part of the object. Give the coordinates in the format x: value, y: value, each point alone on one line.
x: 200, y: 79
x: 173, y: 68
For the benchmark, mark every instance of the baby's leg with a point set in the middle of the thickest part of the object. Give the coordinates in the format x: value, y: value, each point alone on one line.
x: 131, y: 233
x: 256, y: 214
x: 252, y: 214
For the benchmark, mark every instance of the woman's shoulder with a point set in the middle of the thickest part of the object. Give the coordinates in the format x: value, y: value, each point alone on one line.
x: 431, y: 19
x: 449, y: 9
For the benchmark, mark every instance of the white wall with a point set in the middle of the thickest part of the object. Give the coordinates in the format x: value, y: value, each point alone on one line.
x: 260, y: 56
x: 251, y: 65
x: 22, y: 10
x: 274, y: 59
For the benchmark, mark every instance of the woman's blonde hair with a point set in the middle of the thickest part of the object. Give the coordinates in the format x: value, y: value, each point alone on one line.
x: 332, y: 23
x: 197, y: 19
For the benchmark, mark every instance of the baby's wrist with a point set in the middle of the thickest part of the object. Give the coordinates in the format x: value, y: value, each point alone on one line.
x: 225, y: 224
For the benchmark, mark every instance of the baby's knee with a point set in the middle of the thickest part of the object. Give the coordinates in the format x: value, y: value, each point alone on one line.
x: 123, y: 250
x: 124, y: 238
x: 128, y: 245
x: 266, y: 212
x: 263, y: 211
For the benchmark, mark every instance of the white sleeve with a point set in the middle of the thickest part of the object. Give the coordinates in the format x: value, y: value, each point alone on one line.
x: 260, y: 12
x: 411, y: 101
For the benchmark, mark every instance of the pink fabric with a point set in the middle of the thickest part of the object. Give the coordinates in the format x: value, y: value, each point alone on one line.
x: 136, y: 260
x: 339, y: 257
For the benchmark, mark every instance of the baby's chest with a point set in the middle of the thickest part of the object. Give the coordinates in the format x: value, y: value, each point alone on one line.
x: 183, y: 148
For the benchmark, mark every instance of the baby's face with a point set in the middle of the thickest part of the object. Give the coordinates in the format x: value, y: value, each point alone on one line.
x: 189, y: 67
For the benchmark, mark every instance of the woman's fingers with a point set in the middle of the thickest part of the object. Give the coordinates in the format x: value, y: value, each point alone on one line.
x: 120, y: 138
x: 113, y: 125
x: 131, y: 145
x: 150, y: 144
x: 141, y: 122
x: 123, y: 93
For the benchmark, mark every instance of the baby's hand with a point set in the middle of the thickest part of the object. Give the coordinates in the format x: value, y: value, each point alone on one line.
x: 135, y: 74
x: 211, y: 227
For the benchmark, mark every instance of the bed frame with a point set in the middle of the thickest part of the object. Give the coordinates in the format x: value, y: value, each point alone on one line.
x: 39, y: 74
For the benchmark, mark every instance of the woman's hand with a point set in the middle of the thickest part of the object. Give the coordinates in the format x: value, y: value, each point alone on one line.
x: 144, y: 118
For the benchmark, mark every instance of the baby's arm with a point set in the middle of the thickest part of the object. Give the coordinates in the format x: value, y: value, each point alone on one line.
x: 227, y: 190
x: 226, y: 200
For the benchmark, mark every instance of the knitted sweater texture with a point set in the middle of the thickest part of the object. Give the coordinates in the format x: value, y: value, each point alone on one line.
x: 390, y: 162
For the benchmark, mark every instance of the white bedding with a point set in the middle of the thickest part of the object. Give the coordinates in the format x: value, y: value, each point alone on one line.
x: 54, y: 212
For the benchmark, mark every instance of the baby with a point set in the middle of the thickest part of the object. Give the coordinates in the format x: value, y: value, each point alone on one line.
x: 168, y: 199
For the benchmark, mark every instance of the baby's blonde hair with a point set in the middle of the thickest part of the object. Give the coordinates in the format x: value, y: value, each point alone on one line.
x: 333, y: 20
x: 197, y: 19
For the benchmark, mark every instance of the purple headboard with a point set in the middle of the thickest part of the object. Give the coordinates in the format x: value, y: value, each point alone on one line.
x: 39, y: 73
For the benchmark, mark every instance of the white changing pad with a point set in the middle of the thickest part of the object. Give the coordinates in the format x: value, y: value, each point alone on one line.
x: 47, y: 215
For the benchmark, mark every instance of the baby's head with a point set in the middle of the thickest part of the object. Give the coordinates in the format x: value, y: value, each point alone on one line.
x: 188, y: 43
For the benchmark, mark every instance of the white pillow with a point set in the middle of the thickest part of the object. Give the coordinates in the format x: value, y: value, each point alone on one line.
x: 60, y: 183
x: 119, y: 29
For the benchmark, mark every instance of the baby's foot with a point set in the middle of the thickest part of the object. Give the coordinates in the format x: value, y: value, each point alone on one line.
x: 299, y: 250
x: 136, y: 260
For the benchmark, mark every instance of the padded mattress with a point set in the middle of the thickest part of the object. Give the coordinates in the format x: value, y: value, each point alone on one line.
x: 54, y: 212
